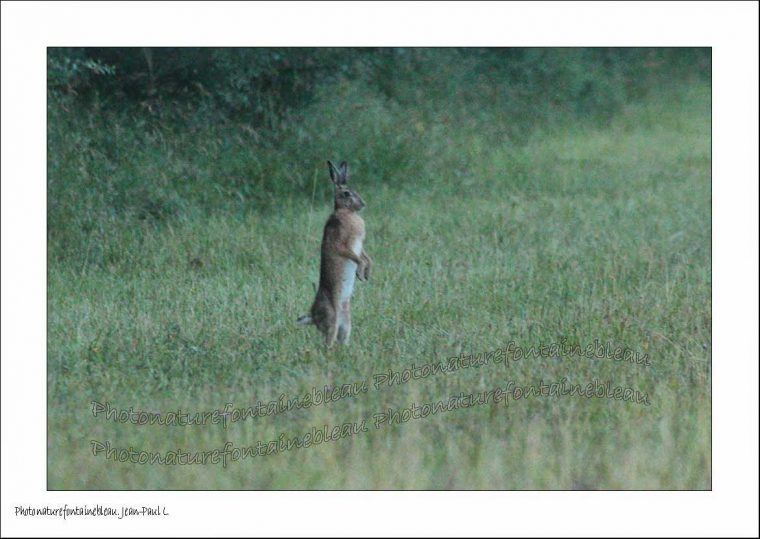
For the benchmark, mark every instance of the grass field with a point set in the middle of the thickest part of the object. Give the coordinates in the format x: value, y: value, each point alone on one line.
x: 584, y: 233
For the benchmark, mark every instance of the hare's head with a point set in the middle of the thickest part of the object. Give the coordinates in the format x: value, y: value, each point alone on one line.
x: 345, y: 197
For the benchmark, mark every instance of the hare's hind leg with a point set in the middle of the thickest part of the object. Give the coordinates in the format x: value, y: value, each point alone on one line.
x: 325, y: 320
x: 344, y: 323
x: 331, y: 327
x: 332, y: 333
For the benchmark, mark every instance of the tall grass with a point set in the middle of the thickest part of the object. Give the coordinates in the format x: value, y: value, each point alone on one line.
x: 181, y: 250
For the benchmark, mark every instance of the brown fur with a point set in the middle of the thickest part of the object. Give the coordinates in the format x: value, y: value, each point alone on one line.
x: 342, y: 249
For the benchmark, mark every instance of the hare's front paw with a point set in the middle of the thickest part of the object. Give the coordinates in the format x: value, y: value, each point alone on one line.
x: 361, y: 272
x: 366, y: 271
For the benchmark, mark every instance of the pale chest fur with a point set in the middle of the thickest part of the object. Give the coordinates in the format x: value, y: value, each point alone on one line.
x: 356, y: 242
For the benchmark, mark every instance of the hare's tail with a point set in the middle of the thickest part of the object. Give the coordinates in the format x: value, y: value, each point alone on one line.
x: 304, y: 320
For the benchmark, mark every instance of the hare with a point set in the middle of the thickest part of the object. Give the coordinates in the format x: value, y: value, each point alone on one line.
x: 343, y: 260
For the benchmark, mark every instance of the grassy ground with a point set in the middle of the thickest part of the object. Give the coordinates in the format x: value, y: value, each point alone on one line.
x: 581, y: 234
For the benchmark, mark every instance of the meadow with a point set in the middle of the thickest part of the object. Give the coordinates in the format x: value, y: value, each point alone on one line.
x: 180, y: 257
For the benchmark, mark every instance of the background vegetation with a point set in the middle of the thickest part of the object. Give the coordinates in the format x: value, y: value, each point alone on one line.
x: 526, y: 195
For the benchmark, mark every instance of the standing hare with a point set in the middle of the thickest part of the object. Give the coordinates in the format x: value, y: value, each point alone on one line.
x: 343, y: 259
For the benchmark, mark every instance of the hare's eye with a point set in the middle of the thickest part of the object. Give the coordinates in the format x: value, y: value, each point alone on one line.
x: 346, y: 194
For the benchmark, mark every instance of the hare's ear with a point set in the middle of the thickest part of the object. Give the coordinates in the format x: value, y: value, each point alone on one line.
x: 335, y: 175
x: 339, y: 175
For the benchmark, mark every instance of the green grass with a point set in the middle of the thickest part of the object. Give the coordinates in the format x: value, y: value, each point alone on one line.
x: 582, y: 233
